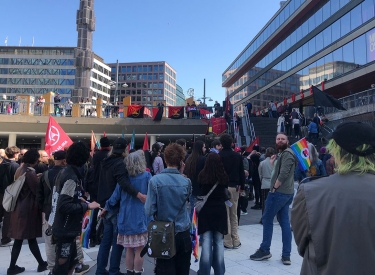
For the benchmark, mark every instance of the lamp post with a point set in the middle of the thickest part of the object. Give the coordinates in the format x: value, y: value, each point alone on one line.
x: 115, y: 85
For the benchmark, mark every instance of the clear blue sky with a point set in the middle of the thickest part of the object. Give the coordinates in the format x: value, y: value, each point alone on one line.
x: 198, y: 38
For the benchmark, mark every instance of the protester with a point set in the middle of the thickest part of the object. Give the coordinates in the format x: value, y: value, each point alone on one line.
x: 265, y: 172
x: 42, y: 164
x: 216, y: 146
x: 254, y: 160
x: 233, y: 165
x: 288, y: 125
x: 194, y: 165
x: 330, y: 166
x: 57, y: 100
x: 296, y: 126
x: 68, y: 107
x: 316, y: 169
x: 44, y: 196
x: 113, y: 171
x: 167, y: 192
x: 26, y: 218
x: 281, y: 124
x: 278, y: 201
x: 69, y: 211
x: 313, y: 132
x: 8, y: 168
x: 157, y: 161
x: 212, y: 218
x: 20, y: 156
x: 243, y: 200
x: 132, y: 220
x: 333, y: 218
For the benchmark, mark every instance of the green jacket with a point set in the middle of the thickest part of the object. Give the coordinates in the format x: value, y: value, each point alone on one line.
x: 283, y: 170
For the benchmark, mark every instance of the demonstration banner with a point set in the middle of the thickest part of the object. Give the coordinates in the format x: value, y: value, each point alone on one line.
x: 219, y: 125
x: 56, y: 138
x: 175, y: 112
x: 135, y: 111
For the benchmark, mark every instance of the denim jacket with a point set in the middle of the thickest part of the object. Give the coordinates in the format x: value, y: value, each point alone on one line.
x: 132, y: 218
x: 167, y: 192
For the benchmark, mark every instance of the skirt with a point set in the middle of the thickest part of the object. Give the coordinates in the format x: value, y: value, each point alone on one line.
x: 132, y: 240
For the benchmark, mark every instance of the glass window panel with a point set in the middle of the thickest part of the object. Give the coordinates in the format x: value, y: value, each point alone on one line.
x: 293, y: 38
x: 355, y: 17
x: 335, y: 5
x: 305, y: 51
x: 288, y: 62
x: 337, y: 63
x: 312, y: 49
x: 294, y: 59
x: 345, y: 24
x: 287, y: 12
x: 327, y: 37
x: 343, y: 3
x: 367, y: 10
x: 311, y: 23
x: 328, y: 66
x: 326, y: 10
x: 336, y: 31
x: 299, y: 55
x: 360, y: 50
x: 319, y: 43
x: 282, y: 18
x: 312, y: 74
x: 305, y: 29
x: 318, y: 17
x: 348, y: 57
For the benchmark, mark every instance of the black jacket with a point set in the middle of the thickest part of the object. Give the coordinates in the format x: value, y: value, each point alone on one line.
x: 233, y: 165
x: 194, y: 180
x: 9, y: 168
x: 70, y: 209
x: 96, y: 161
x: 113, y: 171
x: 44, y: 190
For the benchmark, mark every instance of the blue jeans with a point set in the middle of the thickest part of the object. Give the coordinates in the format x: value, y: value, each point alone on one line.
x: 212, y: 253
x: 109, y: 240
x: 192, y: 200
x: 277, y: 204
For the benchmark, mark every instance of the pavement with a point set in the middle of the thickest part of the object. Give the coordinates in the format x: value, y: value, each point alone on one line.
x: 236, y: 261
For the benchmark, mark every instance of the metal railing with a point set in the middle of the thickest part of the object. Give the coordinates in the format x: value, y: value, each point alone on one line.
x: 249, y: 126
x: 352, y: 101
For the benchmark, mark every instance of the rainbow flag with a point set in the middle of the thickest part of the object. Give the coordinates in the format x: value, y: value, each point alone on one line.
x: 86, y: 228
x: 301, y: 150
x: 194, y: 235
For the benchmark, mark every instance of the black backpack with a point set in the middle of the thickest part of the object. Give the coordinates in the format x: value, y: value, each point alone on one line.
x: 5, y: 177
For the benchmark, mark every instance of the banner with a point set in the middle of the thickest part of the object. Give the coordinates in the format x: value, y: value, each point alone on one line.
x: 176, y: 112
x: 157, y: 113
x: 146, y: 112
x: 219, y: 125
x: 132, y: 141
x: 86, y: 228
x: 321, y: 99
x: 135, y: 111
x: 301, y: 150
x: 146, y: 147
x: 56, y: 138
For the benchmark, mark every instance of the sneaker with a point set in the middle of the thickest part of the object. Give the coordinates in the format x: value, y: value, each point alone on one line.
x: 286, y: 260
x: 228, y: 247
x: 15, y: 270
x: 10, y: 243
x: 81, y: 270
x: 92, y: 243
x: 243, y: 213
x: 42, y: 267
x: 256, y: 207
x: 260, y: 255
x: 237, y: 246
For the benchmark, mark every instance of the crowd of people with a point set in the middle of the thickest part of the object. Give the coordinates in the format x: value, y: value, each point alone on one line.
x: 127, y: 189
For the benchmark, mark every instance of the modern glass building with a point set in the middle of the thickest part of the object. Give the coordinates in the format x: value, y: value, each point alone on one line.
x: 147, y: 82
x: 306, y: 43
x: 180, y: 97
x: 39, y: 70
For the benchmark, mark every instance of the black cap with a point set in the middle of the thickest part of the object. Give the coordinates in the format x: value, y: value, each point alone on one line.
x: 119, y: 145
x: 352, y: 134
x: 104, y: 142
x: 59, y: 155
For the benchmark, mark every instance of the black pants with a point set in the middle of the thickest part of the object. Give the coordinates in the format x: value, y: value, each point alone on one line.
x: 93, y: 225
x: 288, y: 129
x: 66, y: 256
x: 264, y: 197
x: 16, y: 249
x: 313, y: 137
x: 6, y: 222
x: 243, y: 202
x: 257, y: 186
x: 296, y: 130
x: 180, y: 263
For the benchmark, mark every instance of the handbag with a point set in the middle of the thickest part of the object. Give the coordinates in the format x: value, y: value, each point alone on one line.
x: 161, y: 238
x: 201, y: 200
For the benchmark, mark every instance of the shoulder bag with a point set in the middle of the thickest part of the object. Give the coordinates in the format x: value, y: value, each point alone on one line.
x: 201, y: 200
x: 161, y: 238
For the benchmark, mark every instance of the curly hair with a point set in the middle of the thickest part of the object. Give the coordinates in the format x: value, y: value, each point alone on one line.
x: 174, y: 154
x: 77, y: 154
x: 226, y: 141
x: 135, y: 163
x: 31, y: 157
x: 213, y: 171
x: 191, y: 162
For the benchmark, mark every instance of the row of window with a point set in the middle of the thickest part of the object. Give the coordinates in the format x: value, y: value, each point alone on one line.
x: 271, y: 28
x: 170, y: 88
x: 37, y: 61
x: 351, y: 56
x: 37, y: 81
x: 101, y: 69
x: 139, y: 69
x: 34, y: 91
x: 170, y: 80
x: 170, y: 72
x: 350, y: 21
x: 99, y: 87
x: 99, y: 77
x: 19, y: 71
x: 138, y: 92
x: 128, y: 77
x: 35, y: 51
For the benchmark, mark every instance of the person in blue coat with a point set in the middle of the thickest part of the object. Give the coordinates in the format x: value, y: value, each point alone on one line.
x: 132, y: 220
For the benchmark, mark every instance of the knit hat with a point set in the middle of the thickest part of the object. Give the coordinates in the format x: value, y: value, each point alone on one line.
x: 104, y: 142
x: 322, y: 150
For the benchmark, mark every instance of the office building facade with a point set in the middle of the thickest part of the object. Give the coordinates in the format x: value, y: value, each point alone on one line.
x: 180, y: 97
x: 38, y: 70
x: 306, y: 43
x: 148, y: 83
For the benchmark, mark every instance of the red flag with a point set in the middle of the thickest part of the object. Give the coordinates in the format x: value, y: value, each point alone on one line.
x: 56, y: 138
x: 175, y: 112
x: 219, y: 125
x: 285, y: 101
x: 250, y: 148
x: 204, y: 112
x: 302, y: 94
x: 311, y: 90
x: 147, y: 112
x: 293, y: 97
x: 145, y: 143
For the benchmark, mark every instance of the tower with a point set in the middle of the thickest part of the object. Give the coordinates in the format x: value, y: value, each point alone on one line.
x: 84, y: 57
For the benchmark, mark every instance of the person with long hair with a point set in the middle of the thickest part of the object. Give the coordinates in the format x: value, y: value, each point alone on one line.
x: 156, y: 160
x: 316, y: 169
x: 132, y: 220
x: 265, y: 172
x: 26, y: 218
x: 167, y: 193
x: 213, y: 216
x: 194, y: 165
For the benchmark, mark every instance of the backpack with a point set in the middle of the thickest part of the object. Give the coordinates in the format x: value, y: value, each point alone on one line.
x: 13, y: 190
x: 5, y: 178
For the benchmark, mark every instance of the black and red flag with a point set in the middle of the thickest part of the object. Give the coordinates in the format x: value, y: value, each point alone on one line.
x: 135, y: 111
x: 157, y: 113
x: 175, y: 112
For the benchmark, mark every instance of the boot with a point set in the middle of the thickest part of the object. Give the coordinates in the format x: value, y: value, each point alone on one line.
x: 129, y: 272
x: 138, y: 272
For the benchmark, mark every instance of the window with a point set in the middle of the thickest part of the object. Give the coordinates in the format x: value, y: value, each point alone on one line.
x: 360, y: 50
x: 355, y: 17
x: 345, y: 24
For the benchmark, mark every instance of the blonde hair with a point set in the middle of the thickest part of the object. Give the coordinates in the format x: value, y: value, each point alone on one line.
x: 313, y: 153
x: 135, y: 163
x: 347, y: 162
